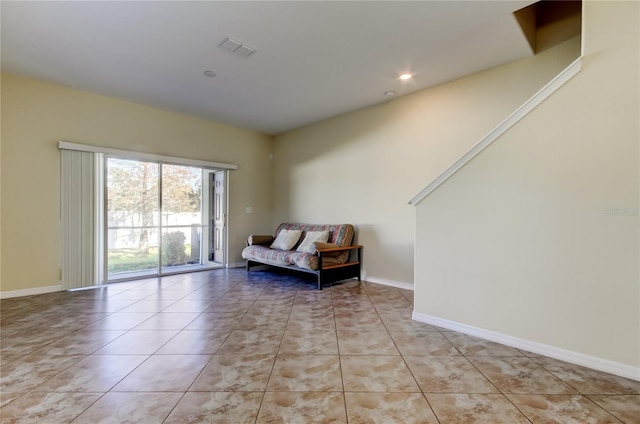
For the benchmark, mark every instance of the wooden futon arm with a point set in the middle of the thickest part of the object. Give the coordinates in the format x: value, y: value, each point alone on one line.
x: 258, y: 239
x: 352, y: 268
x: 339, y: 249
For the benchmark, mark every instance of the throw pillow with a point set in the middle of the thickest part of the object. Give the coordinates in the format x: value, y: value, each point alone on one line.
x: 286, y: 239
x: 311, y: 237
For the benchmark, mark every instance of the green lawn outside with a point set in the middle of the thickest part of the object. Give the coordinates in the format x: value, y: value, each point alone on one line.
x: 123, y: 260
x: 120, y: 260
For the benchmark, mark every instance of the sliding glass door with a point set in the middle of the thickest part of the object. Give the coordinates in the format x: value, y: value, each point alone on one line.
x: 182, y: 217
x: 157, y: 218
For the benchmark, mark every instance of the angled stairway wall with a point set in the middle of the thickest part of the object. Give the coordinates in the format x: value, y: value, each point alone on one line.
x: 362, y: 167
x: 535, y: 242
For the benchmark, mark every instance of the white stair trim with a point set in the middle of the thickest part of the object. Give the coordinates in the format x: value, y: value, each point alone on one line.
x: 546, y: 91
x: 577, y: 358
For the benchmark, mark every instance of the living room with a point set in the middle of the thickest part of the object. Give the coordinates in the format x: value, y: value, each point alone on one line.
x: 536, y: 240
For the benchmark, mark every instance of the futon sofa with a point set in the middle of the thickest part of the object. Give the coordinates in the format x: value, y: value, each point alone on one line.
x: 322, y: 250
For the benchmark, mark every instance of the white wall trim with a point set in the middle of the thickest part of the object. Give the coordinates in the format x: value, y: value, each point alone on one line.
x: 145, y: 156
x: 385, y: 282
x: 546, y: 91
x: 30, y: 292
x: 577, y: 358
x: 237, y: 265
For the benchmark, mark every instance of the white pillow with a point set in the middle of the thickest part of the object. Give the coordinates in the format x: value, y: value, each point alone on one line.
x: 286, y: 239
x: 311, y: 237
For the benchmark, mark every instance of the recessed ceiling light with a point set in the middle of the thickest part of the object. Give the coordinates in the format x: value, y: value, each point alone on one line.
x: 209, y: 74
x: 389, y: 93
x: 406, y: 76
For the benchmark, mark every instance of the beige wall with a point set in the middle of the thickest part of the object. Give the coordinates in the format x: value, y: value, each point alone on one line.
x: 365, y: 166
x: 35, y: 115
x: 522, y: 241
x: 0, y: 184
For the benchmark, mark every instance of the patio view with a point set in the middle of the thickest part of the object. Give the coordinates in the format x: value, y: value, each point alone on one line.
x: 154, y: 217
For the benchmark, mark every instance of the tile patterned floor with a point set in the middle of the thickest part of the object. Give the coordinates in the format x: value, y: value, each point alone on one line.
x: 229, y: 347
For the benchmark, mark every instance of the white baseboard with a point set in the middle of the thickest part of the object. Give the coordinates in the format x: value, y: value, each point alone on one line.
x: 30, y: 292
x: 237, y: 265
x: 384, y: 281
x: 577, y: 358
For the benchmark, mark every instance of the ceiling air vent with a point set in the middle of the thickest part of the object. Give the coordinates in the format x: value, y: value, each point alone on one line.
x: 236, y: 47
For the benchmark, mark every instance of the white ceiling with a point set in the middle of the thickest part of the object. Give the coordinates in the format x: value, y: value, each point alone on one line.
x: 314, y: 59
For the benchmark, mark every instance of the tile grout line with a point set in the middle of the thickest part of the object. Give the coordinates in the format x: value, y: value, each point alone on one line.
x: 335, y: 329
x: 424, y: 395
x: 275, y: 359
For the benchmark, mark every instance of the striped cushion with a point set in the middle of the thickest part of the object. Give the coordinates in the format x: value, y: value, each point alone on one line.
x: 268, y: 255
x: 309, y: 261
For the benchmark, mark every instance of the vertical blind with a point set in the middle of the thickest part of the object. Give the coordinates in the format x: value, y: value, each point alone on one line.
x: 78, y: 202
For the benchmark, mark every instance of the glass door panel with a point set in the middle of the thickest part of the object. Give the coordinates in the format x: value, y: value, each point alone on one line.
x: 182, y: 217
x: 132, y: 218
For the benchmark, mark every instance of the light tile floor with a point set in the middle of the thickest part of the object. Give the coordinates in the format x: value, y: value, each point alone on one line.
x: 225, y: 346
